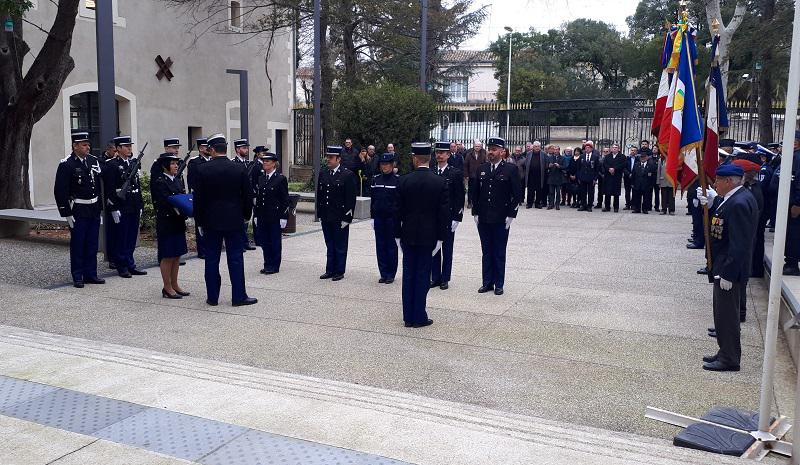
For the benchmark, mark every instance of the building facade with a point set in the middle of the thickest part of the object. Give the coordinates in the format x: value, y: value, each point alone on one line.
x: 199, y: 99
x: 470, y: 77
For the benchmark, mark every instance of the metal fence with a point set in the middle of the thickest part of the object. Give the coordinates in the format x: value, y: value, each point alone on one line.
x: 624, y: 121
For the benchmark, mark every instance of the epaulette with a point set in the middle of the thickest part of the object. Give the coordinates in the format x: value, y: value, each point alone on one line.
x: 65, y: 158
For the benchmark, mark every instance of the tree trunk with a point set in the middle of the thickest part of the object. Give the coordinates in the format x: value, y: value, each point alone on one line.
x: 326, y: 86
x: 725, y: 33
x: 348, y: 16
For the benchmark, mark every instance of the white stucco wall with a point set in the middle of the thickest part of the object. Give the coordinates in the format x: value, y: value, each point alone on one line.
x: 482, y: 84
x: 200, y: 94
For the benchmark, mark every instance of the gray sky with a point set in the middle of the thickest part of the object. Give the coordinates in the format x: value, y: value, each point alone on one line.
x: 546, y: 14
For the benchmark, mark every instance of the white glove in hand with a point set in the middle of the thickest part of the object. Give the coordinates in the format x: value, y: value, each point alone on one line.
x: 437, y: 248
x: 345, y: 224
x: 115, y: 215
x: 284, y: 223
x: 696, y: 203
x: 200, y: 231
x: 454, y: 226
x: 708, y: 198
x: 724, y: 284
x: 508, y: 222
x: 476, y: 219
x: 397, y: 240
x: 71, y: 221
x: 255, y: 221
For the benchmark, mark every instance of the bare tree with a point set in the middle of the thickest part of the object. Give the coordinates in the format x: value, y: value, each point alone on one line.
x: 26, y: 98
x: 726, y: 31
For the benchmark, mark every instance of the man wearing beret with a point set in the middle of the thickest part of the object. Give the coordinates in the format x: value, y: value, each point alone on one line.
x: 734, y: 215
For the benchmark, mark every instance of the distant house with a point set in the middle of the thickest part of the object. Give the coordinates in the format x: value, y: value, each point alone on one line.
x: 469, y: 77
x: 304, y: 85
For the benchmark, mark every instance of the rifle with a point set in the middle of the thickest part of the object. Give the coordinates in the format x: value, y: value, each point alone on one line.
x: 185, y: 163
x: 123, y: 191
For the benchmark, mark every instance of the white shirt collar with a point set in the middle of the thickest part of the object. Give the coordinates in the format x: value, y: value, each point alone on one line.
x: 171, y: 177
x: 335, y: 170
x: 441, y: 168
x: 270, y: 173
x: 729, y: 194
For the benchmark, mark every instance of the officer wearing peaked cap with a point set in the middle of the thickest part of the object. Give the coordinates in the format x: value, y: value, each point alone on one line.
x: 423, y: 223
x: 336, y: 202
x: 242, y: 158
x: 383, y: 211
x: 442, y: 264
x: 171, y: 145
x: 77, y: 195
x: 271, y: 211
x: 125, y: 207
x: 494, y: 206
x: 191, y: 183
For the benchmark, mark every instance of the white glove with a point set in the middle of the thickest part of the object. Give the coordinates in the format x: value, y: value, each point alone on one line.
x: 397, y: 240
x: 255, y: 221
x: 454, y: 226
x: 141, y: 212
x: 437, y: 248
x: 284, y: 223
x: 254, y: 202
x: 71, y: 221
x: 115, y: 216
x: 696, y: 203
x: 508, y: 221
x: 476, y: 219
x: 708, y: 198
x: 200, y: 230
x: 345, y: 224
x: 724, y: 284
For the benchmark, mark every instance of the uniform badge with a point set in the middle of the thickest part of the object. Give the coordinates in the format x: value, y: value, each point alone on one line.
x: 483, y: 173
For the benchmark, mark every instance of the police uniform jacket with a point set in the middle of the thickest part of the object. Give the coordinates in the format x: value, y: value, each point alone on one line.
x: 455, y: 189
x: 497, y: 194
x: 644, y: 177
x: 168, y: 220
x: 733, y: 228
x: 191, y: 171
x: 223, y: 196
x: 272, y: 198
x: 115, y: 173
x: 423, y: 209
x: 336, y: 195
x: 77, y: 187
x: 384, y: 195
x: 612, y: 183
x: 588, y: 170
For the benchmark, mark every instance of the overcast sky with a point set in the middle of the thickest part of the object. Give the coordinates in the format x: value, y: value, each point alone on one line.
x: 546, y: 14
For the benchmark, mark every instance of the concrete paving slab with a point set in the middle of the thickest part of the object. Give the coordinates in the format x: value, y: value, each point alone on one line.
x: 26, y: 443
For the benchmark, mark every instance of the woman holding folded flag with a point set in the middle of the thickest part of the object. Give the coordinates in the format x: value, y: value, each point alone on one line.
x: 170, y: 225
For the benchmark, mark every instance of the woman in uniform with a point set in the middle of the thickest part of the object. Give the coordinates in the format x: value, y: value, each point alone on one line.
x: 271, y: 211
x: 170, y: 225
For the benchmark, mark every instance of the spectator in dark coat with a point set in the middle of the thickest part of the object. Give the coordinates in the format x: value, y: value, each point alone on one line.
x: 473, y: 159
x: 613, y: 167
x: 556, y: 176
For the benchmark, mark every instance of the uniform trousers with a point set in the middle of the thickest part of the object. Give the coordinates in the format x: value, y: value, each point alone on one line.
x: 743, y: 301
x: 234, y: 252
x: 245, y: 238
x: 109, y: 239
x: 336, y: 240
x: 416, y: 275
x: 494, y: 239
x: 442, y: 262
x: 792, y: 253
x: 268, y: 236
x: 386, y: 247
x: 697, y: 226
x: 200, y: 241
x: 586, y: 193
x: 726, y: 322
x: 125, y: 234
x: 83, y: 248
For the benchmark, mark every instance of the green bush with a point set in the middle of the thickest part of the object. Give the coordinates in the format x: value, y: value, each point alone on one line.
x: 149, y: 214
x: 385, y: 113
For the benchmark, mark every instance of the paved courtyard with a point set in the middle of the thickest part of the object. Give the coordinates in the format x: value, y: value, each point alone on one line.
x: 603, y: 315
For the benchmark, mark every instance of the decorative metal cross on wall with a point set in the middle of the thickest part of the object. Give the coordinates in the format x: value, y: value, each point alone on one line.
x: 163, y: 68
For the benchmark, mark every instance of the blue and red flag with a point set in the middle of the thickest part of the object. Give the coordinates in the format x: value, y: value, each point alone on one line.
x: 716, y: 116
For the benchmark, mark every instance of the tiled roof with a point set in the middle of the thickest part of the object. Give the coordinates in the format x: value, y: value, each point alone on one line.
x: 467, y: 56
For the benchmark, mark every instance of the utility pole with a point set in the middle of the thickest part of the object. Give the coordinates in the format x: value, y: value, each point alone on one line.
x: 316, y: 145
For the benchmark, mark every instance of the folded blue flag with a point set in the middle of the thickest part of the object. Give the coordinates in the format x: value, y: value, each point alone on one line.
x: 184, y: 203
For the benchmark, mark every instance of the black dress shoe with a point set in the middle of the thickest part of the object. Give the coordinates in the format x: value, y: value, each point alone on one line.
x: 616, y: 210
x: 636, y: 211
x: 606, y: 210
x: 709, y: 358
x: 247, y: 301
x: 94, y: 280
x: 262, y: 271
x: 337, y: 277
x: 703, y: 270
x: 167, y: 295
x: 269, y: 272
x: 549, y: 207
x: 181, y: 263
x: 382, y: 280
x: 694, y: 246
x: 212, y: 303
x: 249, y: 247
x: 124, y: 274
x: 135, y: 272
x: 712, y: 334
x: 581, y: 209
x: 434, y: 284
x: 389, y: 280
x: 428, y: 322
x: 711, y: 330
x: 183, y: 294
x: 588, y: 210
x: 78, y: 284
x: 498, y: 291
x: 327, y: 276
x: 716, y: 365
x: 645, y: 212
x: 485, y: 289
x: 444, y: 286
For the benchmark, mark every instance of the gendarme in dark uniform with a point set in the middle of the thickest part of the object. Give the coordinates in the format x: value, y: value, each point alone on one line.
x: 495, y: 202
x: 125, y: 207
x: 336, y: 202
x: 423, y: 224
x: 734, y: 216
x: 383, y: 211
x: 242, y: 158
x: 172, y: 145
x: 77, y: 194
x: 191, y: 182
x: 442, y: 262
x: 271, y: 211
x: 223, y: 201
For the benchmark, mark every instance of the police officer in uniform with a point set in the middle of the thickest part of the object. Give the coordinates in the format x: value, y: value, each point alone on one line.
x: 126, y: 212
x: 792, y: 251
x: 383, y: 211
x: 423, y: 225
x: 77, y: 194
x: 223, y: 201
x: 242, y: 158
x: 191, y: 181
x: 271, y: 211
x: 495, y: 202
x: 170, y: 224
x: 171, y: 145
x: 734, y: 216
x: 442, y: 264
x: 110, y: 153
x: 336, y: 201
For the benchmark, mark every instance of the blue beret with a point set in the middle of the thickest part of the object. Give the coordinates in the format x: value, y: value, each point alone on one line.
x: 387, y: 157
x: 333, y: 150
x: 442, y: 146
x: 497, y: 141
x: 123, y: 140
x: 80, y: 137
x: 421, y: 148
x: 730, y: 170
x: 172, y: 142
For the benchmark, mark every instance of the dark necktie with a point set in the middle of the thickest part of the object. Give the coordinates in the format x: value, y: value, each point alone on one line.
x: 588, y: 156
x: 331, y: 172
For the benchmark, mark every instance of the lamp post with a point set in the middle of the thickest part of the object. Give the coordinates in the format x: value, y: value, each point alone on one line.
x: 508, y: 88
x: 106, y: 87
